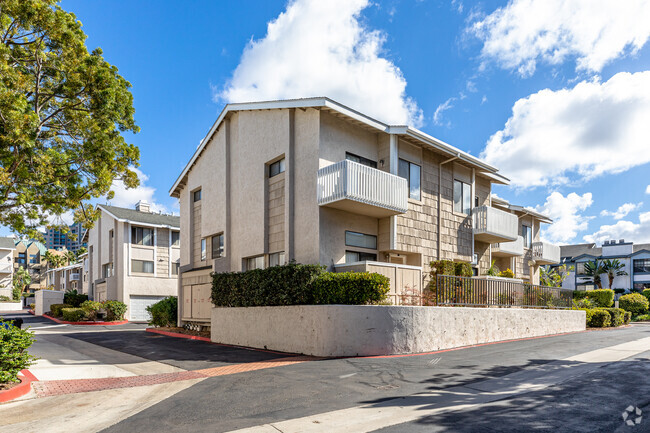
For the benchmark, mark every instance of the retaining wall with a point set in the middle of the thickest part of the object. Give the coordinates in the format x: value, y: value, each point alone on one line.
x: 11, y: 306
x: 360, y: 330
x: 44, y: 298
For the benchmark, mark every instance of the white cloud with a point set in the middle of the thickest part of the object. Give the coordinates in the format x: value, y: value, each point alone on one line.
x: 622, y: 210
x: 590, y: 130
x: 594, y: 32
x: 129, y: 197
x: 628, y: 230
x: 437, y: 116
x: 566, y: 215
x: 647, y: 190
x: 320, y: 48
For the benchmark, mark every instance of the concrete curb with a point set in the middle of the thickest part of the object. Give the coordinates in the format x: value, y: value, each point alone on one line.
x: 177, y: 335
x: 19, y: 390
x: 54, y: 319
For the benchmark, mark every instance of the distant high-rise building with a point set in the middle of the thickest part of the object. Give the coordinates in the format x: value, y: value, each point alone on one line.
x: 55, y: 239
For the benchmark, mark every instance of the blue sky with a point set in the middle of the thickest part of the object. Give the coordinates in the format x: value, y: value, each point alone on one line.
x: 577, y: 147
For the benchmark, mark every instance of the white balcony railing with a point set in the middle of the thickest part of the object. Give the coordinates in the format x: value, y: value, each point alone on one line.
x: 74, y: 277
x: 361, y: 189
x: 509, y: 249
x: 545, y: 253
x: 494, y: 225
x: 6, y: 268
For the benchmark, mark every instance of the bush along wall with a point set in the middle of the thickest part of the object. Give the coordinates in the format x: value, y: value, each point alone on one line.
x: 603, y: 298
x: 164, y: 312
x: 635, y: 303
x: 296, y: 284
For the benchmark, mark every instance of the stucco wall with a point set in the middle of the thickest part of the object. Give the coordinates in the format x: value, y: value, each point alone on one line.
x: 348, y: 330
x: 45, y: 298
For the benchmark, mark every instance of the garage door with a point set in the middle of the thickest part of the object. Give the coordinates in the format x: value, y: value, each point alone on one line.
x: 138, y: 307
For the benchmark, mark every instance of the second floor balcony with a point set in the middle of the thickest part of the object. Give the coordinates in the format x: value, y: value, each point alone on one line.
x: 363, y: 190
x: 545, y: 253
x: 6, y: 268
x: 493, y: 225
x: 509, y: 249
x: 74, y: 277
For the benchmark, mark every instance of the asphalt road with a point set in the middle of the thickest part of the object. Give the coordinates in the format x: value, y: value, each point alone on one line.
x: 589, y: 397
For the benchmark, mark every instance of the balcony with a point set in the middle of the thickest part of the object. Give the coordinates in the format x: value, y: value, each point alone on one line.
x: 6, y: 268
x: 545, y: 253
x: 509, y: 249
x: 363, y: 190
x: 493, y: 225
x: 74, y: 277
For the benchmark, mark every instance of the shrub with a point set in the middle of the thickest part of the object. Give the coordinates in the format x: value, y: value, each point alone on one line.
x: 646, y: 293
x: 350, y: 288
x: 463, y: 269
x: 32, y: 306
x: 507, y: 274
x: 73, y: 298
x: 91, y: 308
x: 640, y: 317
x: 115, y: 310
x: 288, y: 284
x: 73, y: 314
x: 13, y: 351
x: 617, y: 316
x: 583, y: 303
x: 635, y: 303
x: 600, y: 319
x: 603, y: 298
x: 627, y: 316
x: 55, y: 309
x: 164, y: 312
x: 4, y: 298
x: 442, y: 267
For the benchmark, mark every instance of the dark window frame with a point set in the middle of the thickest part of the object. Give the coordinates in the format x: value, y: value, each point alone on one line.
x: 277, y: 167
x: 465, y: 197
x: 137, y: 236
x: 527, y: 235
x: 362, y: 256
x: 220, y: 252
x: 178, y: 238
x: 405, y: 164
x: 360, y: 160
x: 641, y: 266
x: 362, y: 234
x: 196, y: 195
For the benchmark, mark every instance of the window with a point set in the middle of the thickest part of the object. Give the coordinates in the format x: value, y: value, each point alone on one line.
x: 217, y: 246
x: 410, y: 172
x: 640, y: 287
x: 357, y: 256
x: 254, y: 263
x: 360, y: 159
x: 580, y: 269
x: 204, y: 250
x: 22, y: 258
x: 276, y: 168
x: 527, y: 234
x: 33, y: 259
x: 276, y: 259
x: 142, y: 266
x: 107, y: 270
x: 196, y: 195
x: 142, y: 236
x: 176, y: 239
x: 175, y: 268
x: 476, y: 201
x: 111, y: 233
x: 585, y: 287
x: 354, y: 239
x: 462, y: 197
x: 641, y: 266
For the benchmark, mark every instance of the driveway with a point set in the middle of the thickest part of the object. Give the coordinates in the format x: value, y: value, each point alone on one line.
x: 138, y: 381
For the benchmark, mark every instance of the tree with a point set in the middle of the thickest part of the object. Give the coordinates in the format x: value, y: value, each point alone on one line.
x: 21, y: 280
x: 554, y: 277
x: 54, y: 260
x: 62, y: 112
x: 593, y: 271
x: 613, y: 269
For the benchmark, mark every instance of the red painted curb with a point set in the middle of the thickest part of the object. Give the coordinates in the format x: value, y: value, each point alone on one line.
x: 178, y: 335
x: 31, y: 312
x: 19, y: 390
x: 85, y: 323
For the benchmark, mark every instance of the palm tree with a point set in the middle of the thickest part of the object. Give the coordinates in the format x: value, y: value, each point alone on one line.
x: 21, y: 280
x: 613, y: 269
x: 593, y: 271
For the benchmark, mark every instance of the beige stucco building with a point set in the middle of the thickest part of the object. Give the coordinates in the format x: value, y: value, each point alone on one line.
x: 314, y: 181
x: 133, y: 257
x: 30, y: 254
x: 65, y: 278
x: 7, y: 247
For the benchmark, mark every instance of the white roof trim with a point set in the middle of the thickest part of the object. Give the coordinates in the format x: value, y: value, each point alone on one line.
x: 124, y: 220
x: 333, y: 105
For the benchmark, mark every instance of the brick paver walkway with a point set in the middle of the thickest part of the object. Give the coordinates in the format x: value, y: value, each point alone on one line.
x: 58, y: 387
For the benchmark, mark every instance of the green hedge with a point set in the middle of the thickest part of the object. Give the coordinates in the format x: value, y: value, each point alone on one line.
x: 73, y: 314
x: 74, y: 299
x: 115, y: 310
x: 635, y: 303
x: 13, y: 351
x: 463, y: 269
x: 164, y: 312
x: 603, y: 298
x: 296, y: 284
x: 55, y: 309
x: 646, y: 293
x: 91, y: 308
x: 627, y: 317
x: 617, y: 316
x: 599, y: 319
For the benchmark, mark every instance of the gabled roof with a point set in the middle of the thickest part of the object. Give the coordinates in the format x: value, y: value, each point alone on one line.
x: 516, y: 208
x: 28, y: 243
x: 146, y: 218
x: 7, y: 244
x: 579, y: 249
x: 584, y: 256
x: 325, y: 103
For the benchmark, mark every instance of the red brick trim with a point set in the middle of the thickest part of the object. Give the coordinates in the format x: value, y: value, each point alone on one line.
x: 19, y: 390
x: 85, y: 323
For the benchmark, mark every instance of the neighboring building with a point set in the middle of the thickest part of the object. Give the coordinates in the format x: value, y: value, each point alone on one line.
x: 56, y: 239
x: 30, y: 254
x: 635, y: 258
x: 525, y: 255
x: 133, y: 257
x: 7, y: 247
x: 65, y: 278
x: 313, y: 181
